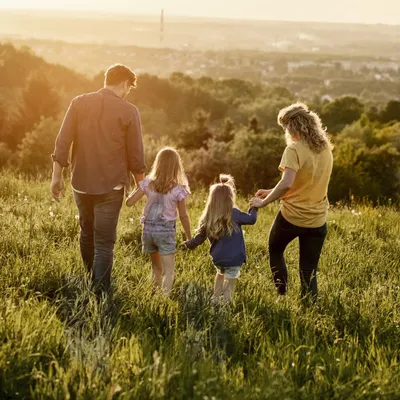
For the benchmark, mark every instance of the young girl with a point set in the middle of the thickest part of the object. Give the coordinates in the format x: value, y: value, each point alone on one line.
x: 221, y: 222
x: 165, y: 188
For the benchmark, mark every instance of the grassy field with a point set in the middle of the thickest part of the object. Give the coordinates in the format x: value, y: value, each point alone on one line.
x: 58, y: 342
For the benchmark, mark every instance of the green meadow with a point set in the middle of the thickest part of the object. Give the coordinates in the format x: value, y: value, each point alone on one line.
x: 57, y: 341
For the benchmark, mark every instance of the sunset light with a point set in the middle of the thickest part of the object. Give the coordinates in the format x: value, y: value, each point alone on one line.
x: 385, y: 11
x: 200, y: 199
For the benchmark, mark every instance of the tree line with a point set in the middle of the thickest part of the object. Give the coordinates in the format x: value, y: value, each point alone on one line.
x: 222, y: 126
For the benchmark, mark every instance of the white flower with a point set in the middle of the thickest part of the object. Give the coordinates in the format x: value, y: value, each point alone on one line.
x: 51, y: 214
x: 76, y: 216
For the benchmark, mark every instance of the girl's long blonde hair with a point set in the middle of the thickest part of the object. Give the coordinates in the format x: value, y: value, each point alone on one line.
x: 217, y: 215
x: 298, y: 120
x: 167, y: 171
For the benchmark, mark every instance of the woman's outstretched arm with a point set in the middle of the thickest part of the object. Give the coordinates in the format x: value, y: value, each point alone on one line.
x: 278, y: 191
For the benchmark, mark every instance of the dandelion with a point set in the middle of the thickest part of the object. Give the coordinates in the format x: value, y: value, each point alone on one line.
x: 51, y: 214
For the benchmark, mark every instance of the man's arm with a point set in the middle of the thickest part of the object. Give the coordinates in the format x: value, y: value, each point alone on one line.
x: 279, y: 190
x: 135, y: 149
x: 61, y: 152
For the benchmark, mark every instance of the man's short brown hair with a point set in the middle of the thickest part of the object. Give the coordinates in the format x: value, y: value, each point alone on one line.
x: 119, y: 73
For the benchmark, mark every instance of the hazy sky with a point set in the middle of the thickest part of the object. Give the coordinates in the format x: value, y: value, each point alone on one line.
x: 365, y: 11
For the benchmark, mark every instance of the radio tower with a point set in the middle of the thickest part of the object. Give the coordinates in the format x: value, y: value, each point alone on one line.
x: 162, y: 27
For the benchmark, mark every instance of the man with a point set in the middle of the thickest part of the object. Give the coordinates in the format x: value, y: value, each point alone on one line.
x: 106, y: 137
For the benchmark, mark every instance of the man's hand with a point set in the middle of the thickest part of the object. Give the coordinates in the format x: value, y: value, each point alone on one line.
x: 57, y: 188
x: 256, y: 202
x: 263, y: 193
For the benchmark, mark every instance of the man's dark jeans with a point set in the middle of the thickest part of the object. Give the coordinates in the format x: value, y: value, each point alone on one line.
x: 98, y: 219
x: 311, y: 241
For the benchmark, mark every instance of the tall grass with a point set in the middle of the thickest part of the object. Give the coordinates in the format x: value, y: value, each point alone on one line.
x: 58, y: 342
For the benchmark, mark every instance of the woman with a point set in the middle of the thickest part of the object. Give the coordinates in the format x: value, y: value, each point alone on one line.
x: 306, y: 165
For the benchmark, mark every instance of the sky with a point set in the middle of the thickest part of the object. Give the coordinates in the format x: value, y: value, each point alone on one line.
x: 362, y: 11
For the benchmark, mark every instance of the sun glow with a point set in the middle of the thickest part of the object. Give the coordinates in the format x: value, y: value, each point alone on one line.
x: 388, y: 11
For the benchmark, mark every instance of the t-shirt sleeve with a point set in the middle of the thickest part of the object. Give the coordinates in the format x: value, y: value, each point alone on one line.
x: 290, y: 159
x: 144, y: 185
x: 181, y: 192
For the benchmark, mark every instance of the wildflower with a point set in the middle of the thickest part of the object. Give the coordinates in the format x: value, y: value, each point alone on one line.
x: 51, y: 214
x: 76, y: 216
x: 131, y: 220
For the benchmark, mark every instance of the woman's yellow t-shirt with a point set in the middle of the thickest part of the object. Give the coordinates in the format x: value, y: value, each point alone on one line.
x: 306, y: 202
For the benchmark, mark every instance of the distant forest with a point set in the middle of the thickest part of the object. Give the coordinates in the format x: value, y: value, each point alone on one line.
x: 222, y: 125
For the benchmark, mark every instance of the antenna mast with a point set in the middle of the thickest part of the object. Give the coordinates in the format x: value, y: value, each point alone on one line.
x: 162, y: 27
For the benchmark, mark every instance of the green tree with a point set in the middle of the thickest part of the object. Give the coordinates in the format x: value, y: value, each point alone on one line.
x: 34, y: 152
x: 196, y: 134
x: 341, y: 112
x: 254, y: 125
x: 391, y: 112
x: 226, y: 132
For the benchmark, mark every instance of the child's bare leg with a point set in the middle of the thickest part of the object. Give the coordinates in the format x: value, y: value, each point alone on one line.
x: 218, y: 285
x: 229, y: 286
x: 156, y: 268
x: 168, y: 266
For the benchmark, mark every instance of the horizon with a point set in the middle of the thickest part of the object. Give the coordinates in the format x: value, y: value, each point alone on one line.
x: 357, y: 13
x: 129, y: 14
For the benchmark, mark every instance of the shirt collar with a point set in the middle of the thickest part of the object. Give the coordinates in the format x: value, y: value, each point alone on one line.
x: 108, y: 91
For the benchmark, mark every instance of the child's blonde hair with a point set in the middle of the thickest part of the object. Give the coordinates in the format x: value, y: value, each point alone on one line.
x: 167, y: 171
x: 217, y: 215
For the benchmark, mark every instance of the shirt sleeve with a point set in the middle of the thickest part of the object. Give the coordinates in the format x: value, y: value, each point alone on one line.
x: 290, y: 159
x: 243, y: 218
x: 66, y: 136
x: 199, y: 239
x: 181, y: 192
x: 135, y: 151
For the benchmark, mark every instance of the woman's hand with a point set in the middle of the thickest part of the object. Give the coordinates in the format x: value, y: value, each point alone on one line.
x: 263, y: 193
x: 257, y: 202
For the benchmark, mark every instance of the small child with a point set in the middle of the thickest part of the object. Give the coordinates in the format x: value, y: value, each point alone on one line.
x: 166, y: 188
x: 221, y: 222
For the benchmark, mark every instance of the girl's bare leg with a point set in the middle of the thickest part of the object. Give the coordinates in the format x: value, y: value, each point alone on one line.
x: 168, y: 266
x: 218, y: 285
x: 156, y: 268
x: 229, y: 286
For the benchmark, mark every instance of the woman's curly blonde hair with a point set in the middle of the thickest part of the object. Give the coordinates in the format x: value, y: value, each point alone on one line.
x: 298, y: 120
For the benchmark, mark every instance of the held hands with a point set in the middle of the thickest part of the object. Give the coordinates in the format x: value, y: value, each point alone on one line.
x: 257, y: 202
x: 183, y: 247
x: 57, y: 188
